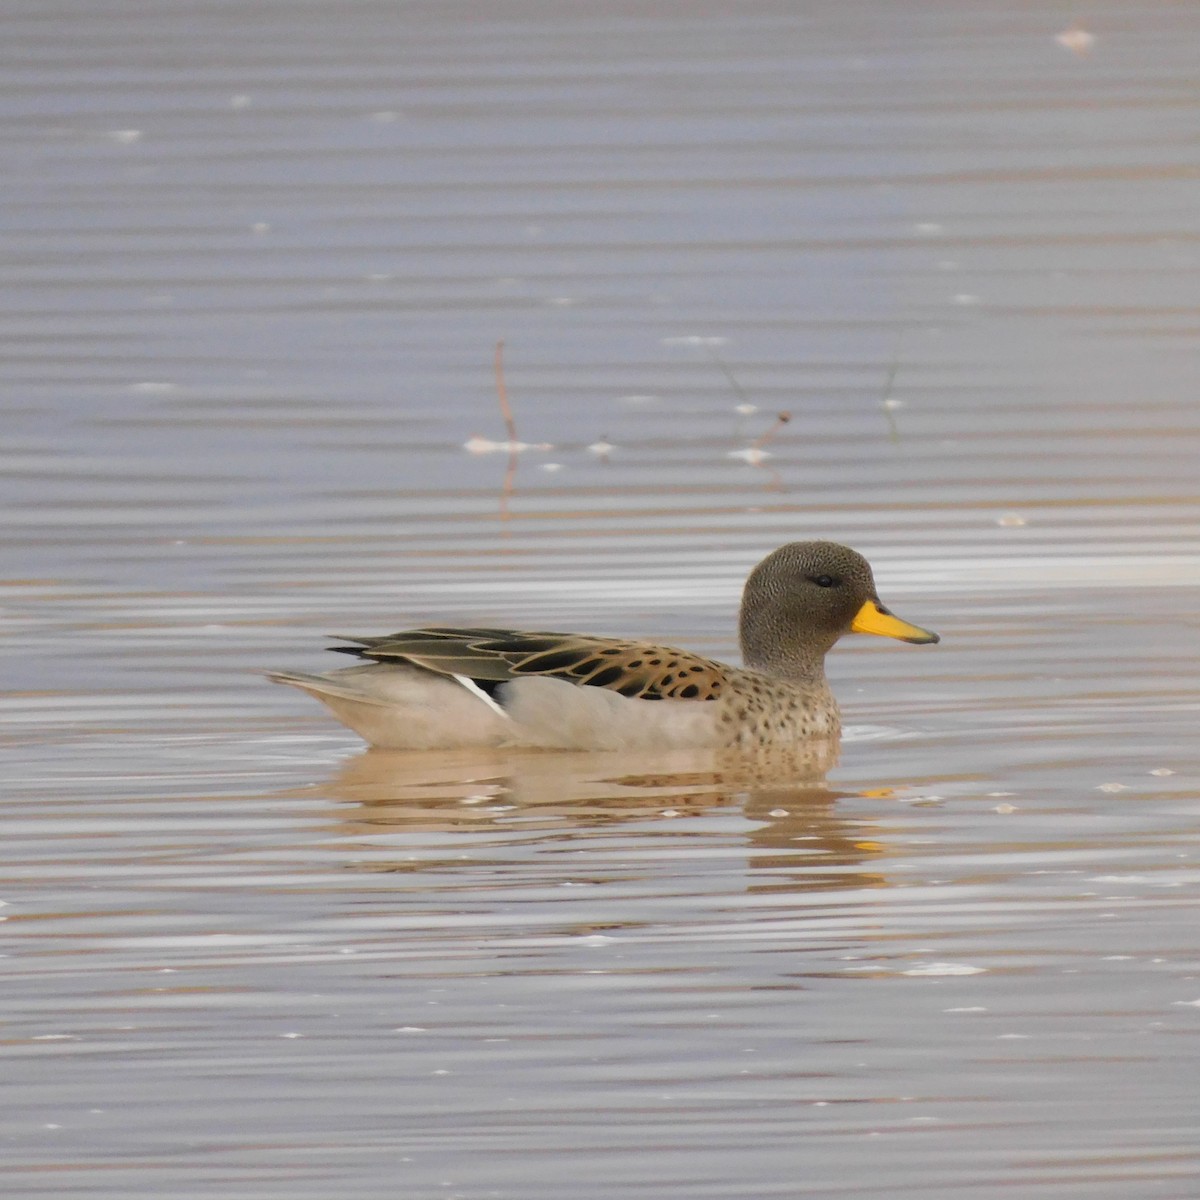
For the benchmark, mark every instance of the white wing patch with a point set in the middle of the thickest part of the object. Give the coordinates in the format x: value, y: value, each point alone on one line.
x: 476, y: 690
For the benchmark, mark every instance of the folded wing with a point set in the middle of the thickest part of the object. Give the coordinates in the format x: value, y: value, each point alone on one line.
x: 491, y: 656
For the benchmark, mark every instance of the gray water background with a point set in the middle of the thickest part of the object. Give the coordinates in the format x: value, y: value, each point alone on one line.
x: 256, y: 258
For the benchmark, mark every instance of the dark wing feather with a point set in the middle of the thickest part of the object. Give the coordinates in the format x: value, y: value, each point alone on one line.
x: 639, y: 669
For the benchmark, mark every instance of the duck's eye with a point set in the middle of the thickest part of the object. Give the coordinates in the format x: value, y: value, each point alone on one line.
x: 823, y: 580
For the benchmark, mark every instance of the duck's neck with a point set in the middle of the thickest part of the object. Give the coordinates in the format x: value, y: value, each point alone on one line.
x: 771, y: 645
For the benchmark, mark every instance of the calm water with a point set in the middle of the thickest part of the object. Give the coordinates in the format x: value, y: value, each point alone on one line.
x: 257, y: 258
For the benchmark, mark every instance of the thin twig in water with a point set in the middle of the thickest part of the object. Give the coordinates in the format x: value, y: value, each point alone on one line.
x: 729, y: 376
x: 502, y: 394
x: 780, y: 421
x: 755, y: 454
x: 478, y: 444
x: 506, y: 491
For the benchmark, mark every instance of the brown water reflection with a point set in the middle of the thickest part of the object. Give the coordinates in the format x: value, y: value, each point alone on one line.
x: 793, y: 823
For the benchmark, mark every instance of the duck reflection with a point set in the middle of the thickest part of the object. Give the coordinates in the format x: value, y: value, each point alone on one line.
x: 798, y: 840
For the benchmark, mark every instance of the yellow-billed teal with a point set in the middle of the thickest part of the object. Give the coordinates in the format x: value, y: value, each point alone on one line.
x: 447, y: 687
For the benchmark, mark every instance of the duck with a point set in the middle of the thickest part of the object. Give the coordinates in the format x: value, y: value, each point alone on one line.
x: 449, y: 687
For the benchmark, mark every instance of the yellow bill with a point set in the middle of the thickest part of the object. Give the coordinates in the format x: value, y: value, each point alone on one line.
x: 874, y: 618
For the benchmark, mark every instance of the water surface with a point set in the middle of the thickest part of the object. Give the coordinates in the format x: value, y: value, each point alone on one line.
x: 257, y: 258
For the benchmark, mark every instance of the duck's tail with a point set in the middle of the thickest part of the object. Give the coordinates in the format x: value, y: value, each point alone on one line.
x: 402, y: 707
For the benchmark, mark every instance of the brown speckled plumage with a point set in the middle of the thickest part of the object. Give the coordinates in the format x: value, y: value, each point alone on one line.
x: 637, y: 669
x: 448, y: 686
x: 759, y: 709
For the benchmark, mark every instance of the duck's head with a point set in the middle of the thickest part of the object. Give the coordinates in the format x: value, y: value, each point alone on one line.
x: 800, y: 599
